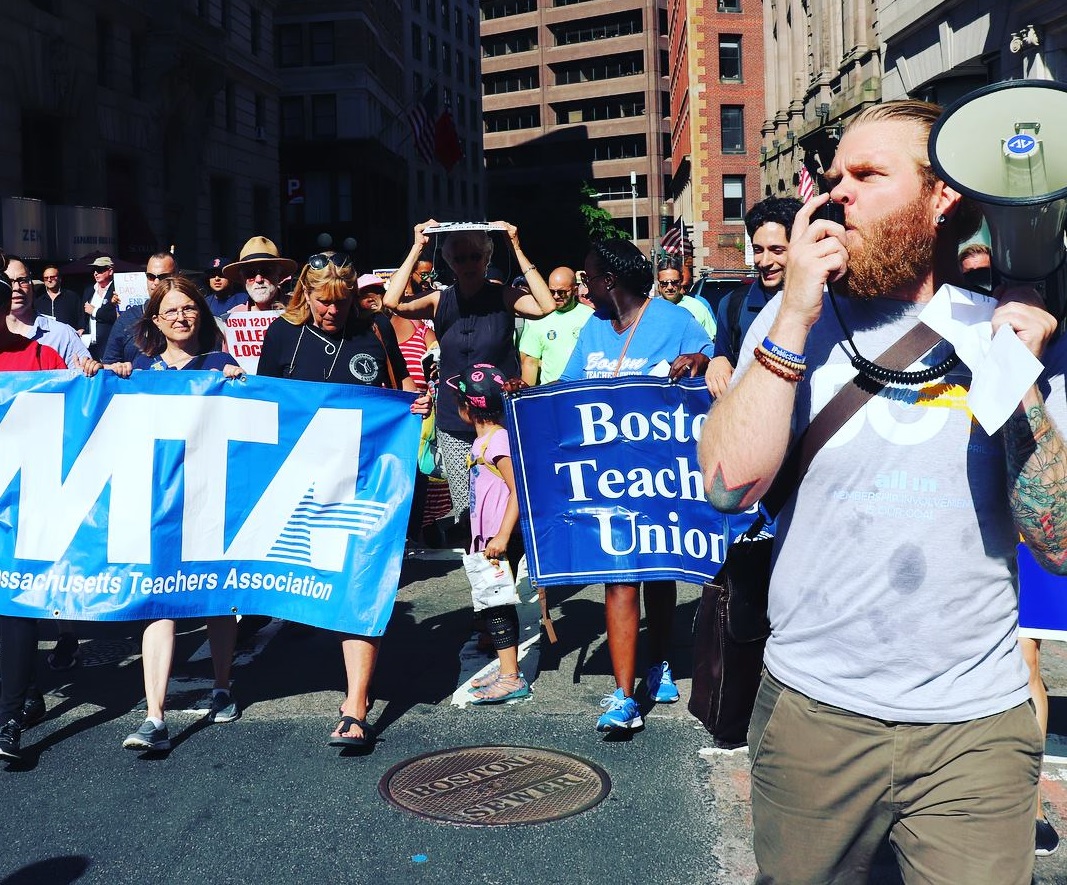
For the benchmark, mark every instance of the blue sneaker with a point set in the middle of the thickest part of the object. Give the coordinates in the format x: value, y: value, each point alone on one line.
x: 621, y: 713
x: 660, y: 684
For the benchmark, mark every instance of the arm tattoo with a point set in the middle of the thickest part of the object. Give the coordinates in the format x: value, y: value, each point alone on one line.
x: 728, y: 499
x: 1037, y: 485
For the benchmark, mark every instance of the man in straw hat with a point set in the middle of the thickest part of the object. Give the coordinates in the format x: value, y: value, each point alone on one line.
x: 259, y: 270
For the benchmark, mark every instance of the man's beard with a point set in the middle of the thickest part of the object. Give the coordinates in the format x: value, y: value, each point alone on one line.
x: 895, y: 252
x: 262, y: 294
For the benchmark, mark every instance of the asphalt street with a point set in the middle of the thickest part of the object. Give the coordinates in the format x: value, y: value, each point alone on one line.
x: 265, y: 799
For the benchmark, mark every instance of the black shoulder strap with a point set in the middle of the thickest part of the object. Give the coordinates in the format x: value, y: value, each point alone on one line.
x: 844, y: 404
x: 733, y: 318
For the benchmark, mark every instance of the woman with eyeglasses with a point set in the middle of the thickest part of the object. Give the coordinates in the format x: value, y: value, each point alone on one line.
x: 178, y: 332
x: 324, y: 335
x: 474, y: 321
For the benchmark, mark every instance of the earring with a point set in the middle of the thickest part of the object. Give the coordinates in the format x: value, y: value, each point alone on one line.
x: 940, y: 220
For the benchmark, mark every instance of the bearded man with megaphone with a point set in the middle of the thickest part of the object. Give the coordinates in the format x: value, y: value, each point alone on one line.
x: 895, y: 700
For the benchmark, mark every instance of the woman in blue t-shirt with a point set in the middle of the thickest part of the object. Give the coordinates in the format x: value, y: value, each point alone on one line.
x: 632, y: 334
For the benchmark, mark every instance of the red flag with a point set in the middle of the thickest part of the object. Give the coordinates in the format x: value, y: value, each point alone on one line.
x: 807, y: 186
x: 446, y: 146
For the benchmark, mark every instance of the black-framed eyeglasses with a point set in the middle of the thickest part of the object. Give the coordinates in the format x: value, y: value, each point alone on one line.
x: 102, y: 269
x: 340, y: 260
x: 186, y: 310
x: 560, y: 291
x: 673, y: 284
x: 157, y: 277
x: 20, y: 281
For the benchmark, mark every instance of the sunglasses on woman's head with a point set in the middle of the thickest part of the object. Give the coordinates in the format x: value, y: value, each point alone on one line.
x: 339, y: 259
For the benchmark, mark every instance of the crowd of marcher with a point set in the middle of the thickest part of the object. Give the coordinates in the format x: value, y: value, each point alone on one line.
x: 895, y: 699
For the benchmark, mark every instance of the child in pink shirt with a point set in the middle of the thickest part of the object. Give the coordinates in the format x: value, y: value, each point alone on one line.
x: 494, y: 515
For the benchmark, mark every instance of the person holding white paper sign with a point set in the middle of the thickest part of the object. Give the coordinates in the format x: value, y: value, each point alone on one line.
x: 895, y: 700
x: 474, y: 321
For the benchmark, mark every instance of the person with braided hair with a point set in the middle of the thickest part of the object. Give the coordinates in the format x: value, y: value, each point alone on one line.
x: 632, y: 334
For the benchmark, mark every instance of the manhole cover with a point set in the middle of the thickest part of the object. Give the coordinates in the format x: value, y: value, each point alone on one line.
x: 495, y: 786
x: 99, y: 652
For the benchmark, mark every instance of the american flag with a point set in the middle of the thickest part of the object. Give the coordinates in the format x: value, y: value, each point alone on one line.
x: 675, y: 240
x: 806, y: 186
x: 423, y: 119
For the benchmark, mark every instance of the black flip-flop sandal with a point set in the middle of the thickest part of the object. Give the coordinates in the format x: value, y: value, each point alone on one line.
x: 346, y: 723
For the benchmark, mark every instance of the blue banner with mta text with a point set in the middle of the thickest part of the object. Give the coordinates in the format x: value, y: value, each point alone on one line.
x: 608, y: 482
x: 184, y: 494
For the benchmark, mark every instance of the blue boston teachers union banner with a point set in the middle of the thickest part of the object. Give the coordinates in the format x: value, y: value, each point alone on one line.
x: 608, y: 482
x: 177, y: 494
x: 1042, y: 600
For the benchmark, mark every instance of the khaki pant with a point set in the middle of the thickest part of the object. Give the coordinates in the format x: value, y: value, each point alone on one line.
x: 957, y: 799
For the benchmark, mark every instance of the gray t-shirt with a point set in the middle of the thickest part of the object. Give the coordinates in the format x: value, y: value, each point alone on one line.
x: 894, y: 586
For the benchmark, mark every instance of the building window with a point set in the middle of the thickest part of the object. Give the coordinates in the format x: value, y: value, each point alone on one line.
x: 261, y: 219
x: 431, y: 50
x: 291, y: 110
x: 472, y: 72
x: 446, y: 58
x: 231, y: 107
x: 290, y: 46
x: 602, y: 68
x: 501, y: 8
x: 510, y: 43
x: 254, y: 27
x: 322, y: 43
x: 104, y: 52
x: 729, y: 5
x: 222, y: 226
x: 472, y: 32
x: 610, y: 108
x: 416, y: 42
x: 601, y: 28
x: 224, y: 15
x: 732, y: 126
x: 733, y: 198
x: 324, y: 116
x: 457, y: 23
x: 730, y: 58
x: 511, y: 81
x: 416, y: 85
x: 515, y: 118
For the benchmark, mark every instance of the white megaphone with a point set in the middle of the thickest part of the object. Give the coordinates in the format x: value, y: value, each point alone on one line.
x: 1005, y: 146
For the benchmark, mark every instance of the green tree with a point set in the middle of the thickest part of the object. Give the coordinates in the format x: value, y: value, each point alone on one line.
x: 599, y: 223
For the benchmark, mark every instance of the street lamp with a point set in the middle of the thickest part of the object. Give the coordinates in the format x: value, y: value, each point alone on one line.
x: 608, y: 195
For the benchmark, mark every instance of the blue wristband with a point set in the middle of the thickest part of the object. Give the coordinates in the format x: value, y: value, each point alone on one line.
x: 770, y: 346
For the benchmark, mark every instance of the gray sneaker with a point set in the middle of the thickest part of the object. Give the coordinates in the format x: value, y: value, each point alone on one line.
x: 148, y: 737
x: 223, y: 707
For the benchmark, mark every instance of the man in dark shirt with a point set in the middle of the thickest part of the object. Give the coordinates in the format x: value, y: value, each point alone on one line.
x: 768, y: 224
x: 57, y: 302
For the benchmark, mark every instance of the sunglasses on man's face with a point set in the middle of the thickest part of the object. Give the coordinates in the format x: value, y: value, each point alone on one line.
x: 425, y: 275
x: 339, y: 260
x: 157, y: 277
